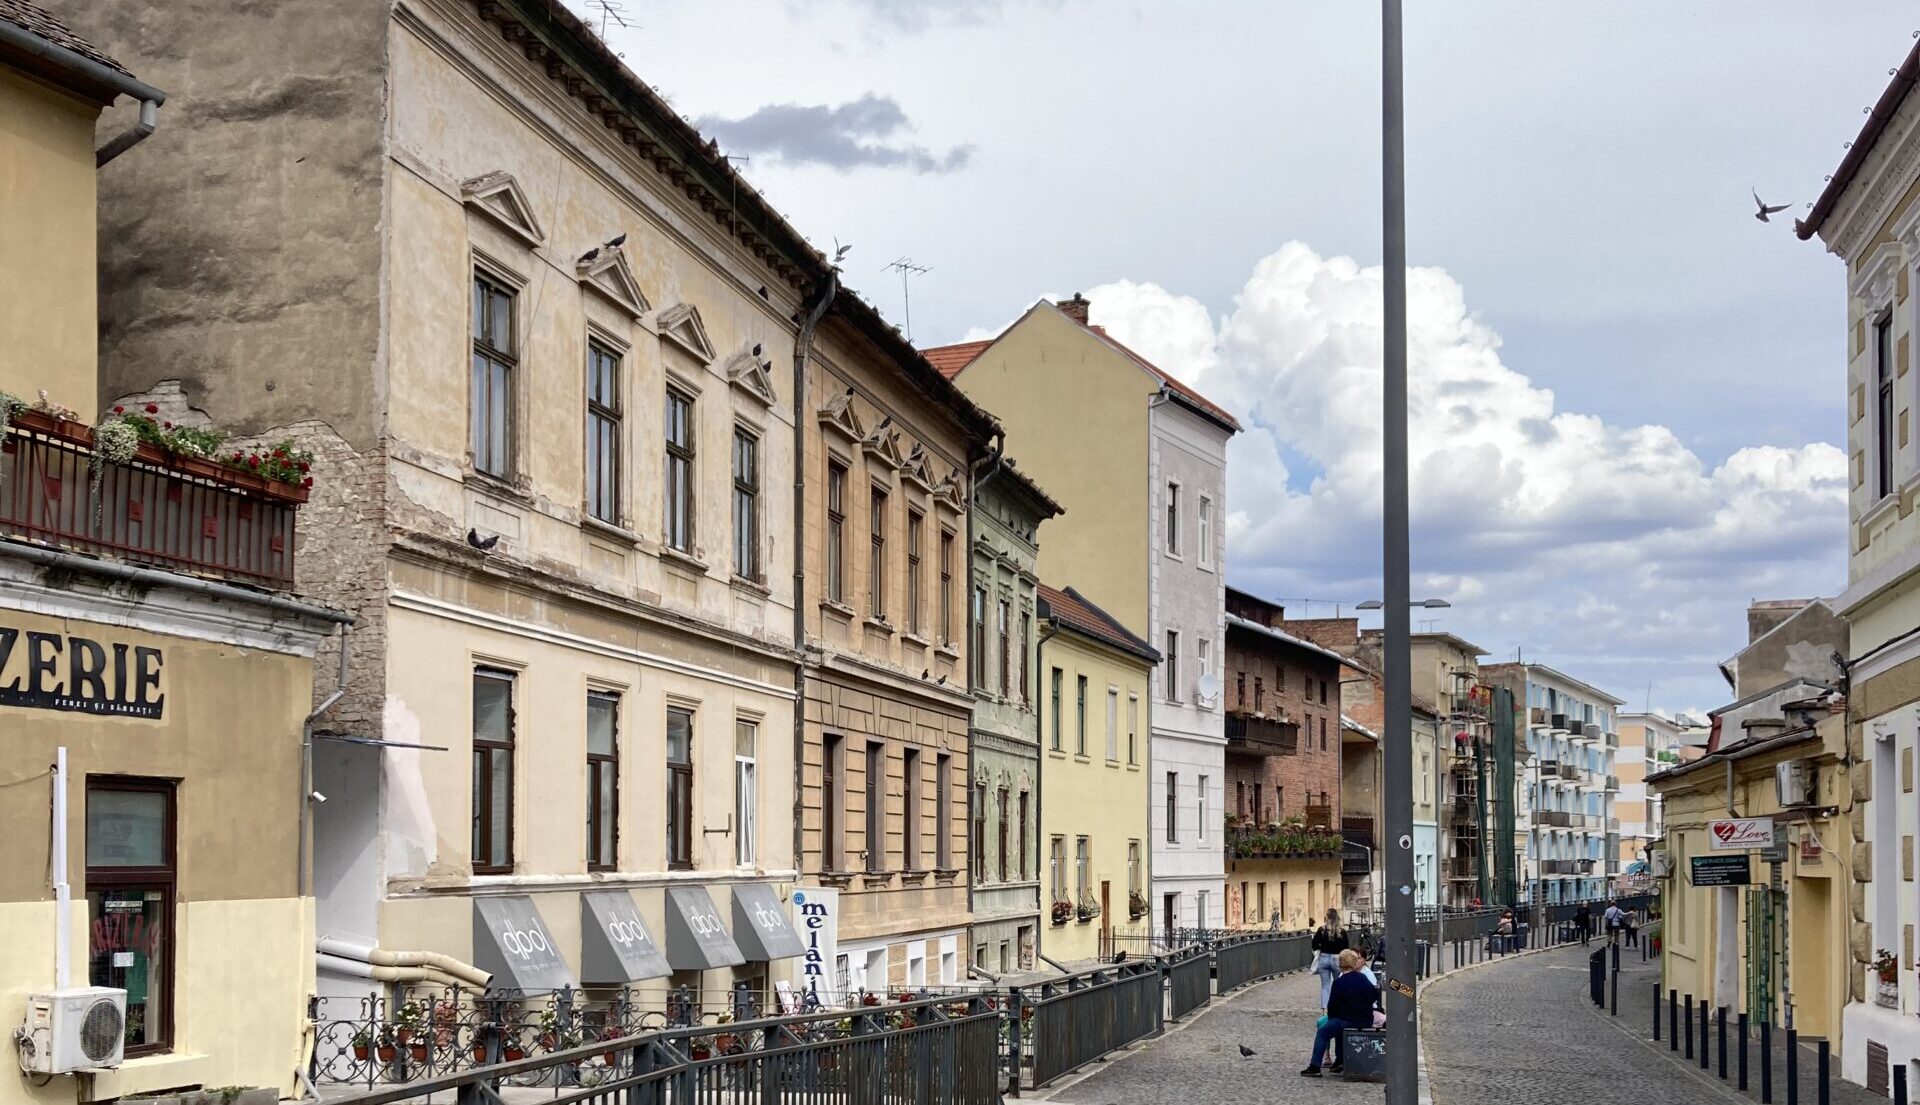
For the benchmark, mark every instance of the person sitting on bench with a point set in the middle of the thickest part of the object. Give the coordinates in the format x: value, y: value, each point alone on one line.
x: 1349, y: 1005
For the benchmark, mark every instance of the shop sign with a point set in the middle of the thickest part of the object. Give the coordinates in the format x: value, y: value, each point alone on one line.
x: 1738, y: 834
x: 1721, y: 871
x: 1810, y: 847
x: 816, y: 913
x: 65, y: 671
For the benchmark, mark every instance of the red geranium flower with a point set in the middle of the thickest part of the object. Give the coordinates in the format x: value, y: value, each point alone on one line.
x: 308, y: 482
x: 153, y: 408
x: 119, y: 410
x: 304, y: 466
x: 166, y: 425
x: 254, y: 460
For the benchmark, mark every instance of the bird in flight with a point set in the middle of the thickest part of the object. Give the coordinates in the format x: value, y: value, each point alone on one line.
x: 1764, y: 210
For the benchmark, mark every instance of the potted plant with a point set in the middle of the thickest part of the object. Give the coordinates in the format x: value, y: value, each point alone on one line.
x: 511, y: 1050
x: 1087, y: 910
x: 725, y: 1041
x: 384, y: 1050
x: 1887, y: 968
x: 609, y: 1033
x: 362, y: 1043
x: 1136, y: 905
x: 1062, y: 911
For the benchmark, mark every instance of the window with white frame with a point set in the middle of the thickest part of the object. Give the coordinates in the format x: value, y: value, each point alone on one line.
x: 1173, y: 518
x: 1205, y: 519
x: 1883, y: 372
x: 746, y: 802
x: 1200, y: 833
x: 1113, y: 724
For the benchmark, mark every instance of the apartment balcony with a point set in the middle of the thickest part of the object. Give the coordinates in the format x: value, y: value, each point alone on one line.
x: 1613, y: 824
x: 1613, y: 740
x: 1556, y: 867
x: 1259, y: 735
x: 1357, y: 845
x: 180, y: 513
x: 1463, y: 867
x: 1570, y: 772
x: 1281, y: 842
x: 1552, y: 818
x: 1465, y: 806
x: 1557, y: 722
x: 1537, y: 715
x: 1613, y: 782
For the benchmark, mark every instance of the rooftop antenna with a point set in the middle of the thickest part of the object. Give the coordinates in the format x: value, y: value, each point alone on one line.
x: 906, y: 267
x: 610, y: 10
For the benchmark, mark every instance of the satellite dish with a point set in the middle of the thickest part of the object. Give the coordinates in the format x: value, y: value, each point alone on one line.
x: 1209, y: 686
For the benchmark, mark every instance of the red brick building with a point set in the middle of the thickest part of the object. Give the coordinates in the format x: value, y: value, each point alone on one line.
x: 1283, y: 706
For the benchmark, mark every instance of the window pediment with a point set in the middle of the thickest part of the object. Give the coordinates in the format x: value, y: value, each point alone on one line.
x: 837, y: 414
x: 746, y: 371
x: 915, y: 470
x: 681, y: 325
x: 499, y: 197
x: 1875, y: 280
x: 605, y: 269
x: 947, y: 493
x: 883, y: 445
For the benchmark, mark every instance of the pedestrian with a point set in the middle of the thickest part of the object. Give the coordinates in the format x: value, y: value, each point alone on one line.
x: 1350, y: 1005
x: 1329, y: 940
x: 1615, y: 918
x: 1583, y: 924
x: 1501, y: 939
x: 1631, y: 920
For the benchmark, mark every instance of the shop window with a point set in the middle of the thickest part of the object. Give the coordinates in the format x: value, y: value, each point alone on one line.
x: 493, y: 723
x: 130, y: 893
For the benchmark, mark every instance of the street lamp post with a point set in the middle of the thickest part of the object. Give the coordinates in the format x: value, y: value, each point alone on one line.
x: 1401, y: 1002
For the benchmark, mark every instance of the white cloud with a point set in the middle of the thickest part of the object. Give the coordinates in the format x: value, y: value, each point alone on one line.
x: 1587, y: 543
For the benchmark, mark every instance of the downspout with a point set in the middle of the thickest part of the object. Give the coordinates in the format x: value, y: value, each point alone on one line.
x: 802, y: 351
x: 303, y: 859
x: 87, y: 69
x: 131, y: 137
x: 1040, y: 755
x: 995, y: 457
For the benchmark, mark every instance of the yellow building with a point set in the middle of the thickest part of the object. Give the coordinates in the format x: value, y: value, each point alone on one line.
x: 1869, y: 217
x: 1095, y: 761
x: 153, y: 693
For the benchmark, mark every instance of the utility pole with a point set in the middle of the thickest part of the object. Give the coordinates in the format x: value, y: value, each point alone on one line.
x: 1401, y: 1002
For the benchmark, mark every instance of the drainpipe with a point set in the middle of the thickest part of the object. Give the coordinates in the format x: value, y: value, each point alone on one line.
x: 995, y: 457
x: 1040, y: 762
x: 802, y: 350
x: 302, y: 856
x: 93, y: 72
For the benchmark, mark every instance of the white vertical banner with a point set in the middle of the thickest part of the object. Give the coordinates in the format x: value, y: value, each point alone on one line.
x: 816, y: 917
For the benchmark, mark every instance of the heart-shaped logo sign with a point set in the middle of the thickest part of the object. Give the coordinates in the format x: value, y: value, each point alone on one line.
x: 1725, y: 830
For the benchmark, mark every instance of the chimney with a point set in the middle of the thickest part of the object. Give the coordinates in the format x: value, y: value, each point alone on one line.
x: 1075, y: 308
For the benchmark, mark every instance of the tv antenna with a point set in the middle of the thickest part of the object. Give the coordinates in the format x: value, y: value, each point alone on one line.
x: 610, y: 11
x: 906, y: 267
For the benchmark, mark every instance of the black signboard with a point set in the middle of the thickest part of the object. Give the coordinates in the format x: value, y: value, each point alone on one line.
x: 1364, y: 1055
x: 59, y: 671
x: 1721, y: 870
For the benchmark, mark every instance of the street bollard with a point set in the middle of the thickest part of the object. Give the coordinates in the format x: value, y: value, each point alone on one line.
x: 1793, y: 1062
x: 1900, y: 1085
x: 1720, y: 1027
x: 1742, y: 1028
x: 1656, y: 1012
x: 1703, y: 1034
x: 1824, y: 1099
x: 1614, y: 1009
x: 1689, y: 1026
x: 1673, y: 1020
x: 1766, y: 1061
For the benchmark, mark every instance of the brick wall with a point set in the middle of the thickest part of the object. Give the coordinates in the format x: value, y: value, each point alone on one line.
x: 1268, y: 676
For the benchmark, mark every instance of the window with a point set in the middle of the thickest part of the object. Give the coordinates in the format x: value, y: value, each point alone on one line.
x: 1172, y: 663
x: 1206, y: 667
x: 679, y: 483
x: 1240, y: 689
x: 876, y: 806
x: 1200, y: 831
x: 1205, y: 512
x: 943, y: 811
x: 1054, y: 701
x: 679, y: 789
x: 492, y: 771
x: 1173, y: 518
x: 1173, y: 807
x: 746, y: 794
x: 1259, y: 694
x: 1057, y: 868
x: 603, y: 433
x: 1082, y: 861
x: 1323, y: 692
x: 915, y: 523
x: 1080, y: 738
x: 978, y: 616
x: 1133, y: 867
x: 980, y: 831
x: 913, y: 791
x: 833, y: 799
x: 877, y: 559
x: 490, y: 404
x: 1113, y: 724
x: 1323, y: 734
x: 1006, y: 649
x: 1259, y: 807
x: 1133, y: 729
x: 1006, y: 813
x: 130, y: 885
x: 1026, y: 870
x: 836, y: 532
x: 946, y: 587
x: 746, y: 505
x: 1883, y: 371
x: 603, y: 779
x: 1026, y: 638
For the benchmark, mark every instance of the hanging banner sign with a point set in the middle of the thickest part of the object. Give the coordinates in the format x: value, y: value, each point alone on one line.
x: 816, y: 914
x: 1738, y: 834
x: 64, y: 671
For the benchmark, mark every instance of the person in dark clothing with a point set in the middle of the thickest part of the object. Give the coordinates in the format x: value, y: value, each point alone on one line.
x: 1583, y: 924
x: 1350, y: 1006
x: 1329, y: 940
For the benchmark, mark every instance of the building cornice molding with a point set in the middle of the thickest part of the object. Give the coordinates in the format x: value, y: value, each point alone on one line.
x: 1892, y: 167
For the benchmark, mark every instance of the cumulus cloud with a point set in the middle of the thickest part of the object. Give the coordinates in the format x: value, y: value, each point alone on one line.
x: 864, y: 133
x: 1612, y: 550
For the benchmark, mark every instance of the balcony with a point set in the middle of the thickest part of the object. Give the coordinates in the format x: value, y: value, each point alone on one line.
x: 1613, y: 740
x: 1570, y: 772
x: 1258, y: 735
x: 1465, y: 806
x: 1613, y: 782
x: 1557, y: 722
x: 1463, y: 867
x: 1556, y: 867
x: 180, y: 513
x: 1357, y: 845
x: 1552, y: 818
x: 1537, y: 715
x: 1281, y: 842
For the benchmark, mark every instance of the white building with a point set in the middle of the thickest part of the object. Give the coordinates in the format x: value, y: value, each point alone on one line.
x: 1569, y: 782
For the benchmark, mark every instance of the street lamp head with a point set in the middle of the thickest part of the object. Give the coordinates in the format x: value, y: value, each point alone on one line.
x: 1370, y: 604
x: 1435, y: 604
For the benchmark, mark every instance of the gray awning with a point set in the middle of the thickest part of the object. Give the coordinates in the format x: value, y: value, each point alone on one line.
x: 511, y: 941
x: 697, y: 938
x: 615, y: 945
x: 761, y: 926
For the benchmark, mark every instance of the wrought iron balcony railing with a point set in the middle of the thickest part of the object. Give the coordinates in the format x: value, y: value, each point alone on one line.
x: 1261, y: 736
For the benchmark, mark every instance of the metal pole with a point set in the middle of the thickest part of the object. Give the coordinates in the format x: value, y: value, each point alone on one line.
x: 1824, y: 1092
x: 1766, y: 1061
x: 1742, y: 1032
x: 1793, y: 1062
x: 1402, y: 1004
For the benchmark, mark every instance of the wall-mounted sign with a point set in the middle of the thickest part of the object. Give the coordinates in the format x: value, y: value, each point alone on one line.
x: 1721, y: 871
x: 1810, y: 847
x: 65, y: 671
x: 816, y: 913
x: 1738, y: 834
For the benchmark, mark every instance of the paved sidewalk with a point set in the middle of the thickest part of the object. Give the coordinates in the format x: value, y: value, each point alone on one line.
x: 1201, y: 1061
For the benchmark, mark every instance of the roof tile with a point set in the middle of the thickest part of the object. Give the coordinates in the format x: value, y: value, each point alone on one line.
x: 40, y: 22
x: 1069, y: 608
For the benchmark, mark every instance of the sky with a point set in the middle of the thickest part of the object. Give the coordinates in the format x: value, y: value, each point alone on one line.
x: 1626, y: 392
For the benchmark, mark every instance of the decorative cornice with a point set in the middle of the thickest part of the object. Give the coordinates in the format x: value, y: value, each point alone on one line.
x: 1891, y: 175
x: 1874, y: 279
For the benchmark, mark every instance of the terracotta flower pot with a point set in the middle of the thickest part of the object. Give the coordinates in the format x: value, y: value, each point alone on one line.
x: 419, y: 1052
x: 515, y: 1054
x: 480, y: 1054
x: 360, y: 1052
x: 386, y: 1052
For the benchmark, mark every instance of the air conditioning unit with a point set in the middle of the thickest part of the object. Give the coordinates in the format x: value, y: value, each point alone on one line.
x: 1793, y: 783
x: 82, y: 1028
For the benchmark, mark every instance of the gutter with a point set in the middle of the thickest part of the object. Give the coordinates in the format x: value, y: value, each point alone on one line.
x: 93, y: 72
x: 802, y: 353
x: 1877, y: 120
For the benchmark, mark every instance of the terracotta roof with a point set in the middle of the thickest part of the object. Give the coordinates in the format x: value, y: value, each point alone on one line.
x: 951, y: 359
x: 1870, y: 132
x: 1074, y: 612
x: 44, y: 24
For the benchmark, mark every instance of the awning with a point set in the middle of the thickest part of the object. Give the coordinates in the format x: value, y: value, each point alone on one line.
x: 761, y: 926
x: 697, y: 939
x: 511, y: 941
x: 615, y: 945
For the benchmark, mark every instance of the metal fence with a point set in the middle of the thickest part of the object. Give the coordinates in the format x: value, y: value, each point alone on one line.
x: 1250, y: 958
x: 1067, y: 1024
x: 1189, y: 981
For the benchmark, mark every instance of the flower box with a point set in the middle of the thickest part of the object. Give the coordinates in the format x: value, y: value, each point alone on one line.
x: 1887, y: 995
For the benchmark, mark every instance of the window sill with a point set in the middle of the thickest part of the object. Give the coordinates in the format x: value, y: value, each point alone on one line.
x: 496, y: 486
x: 947, y: 650
x: 946, y: 874
x: 879, y: 625
x: 908, y: 636
x: 1877, y: 513
x: 838, y: 609
x: 836, y: 878
x: 1082, y: 758
x: 753, y: 586
x: 678, y: 558
x: 876, y: 878
x: 914, y: 878
x: 1056, y: 754
x: 610, y: 530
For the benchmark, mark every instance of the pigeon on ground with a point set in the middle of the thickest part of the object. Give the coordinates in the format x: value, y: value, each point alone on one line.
x: 1765, y: 210
x: 484, y: 544
x: 1246, y: 1052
